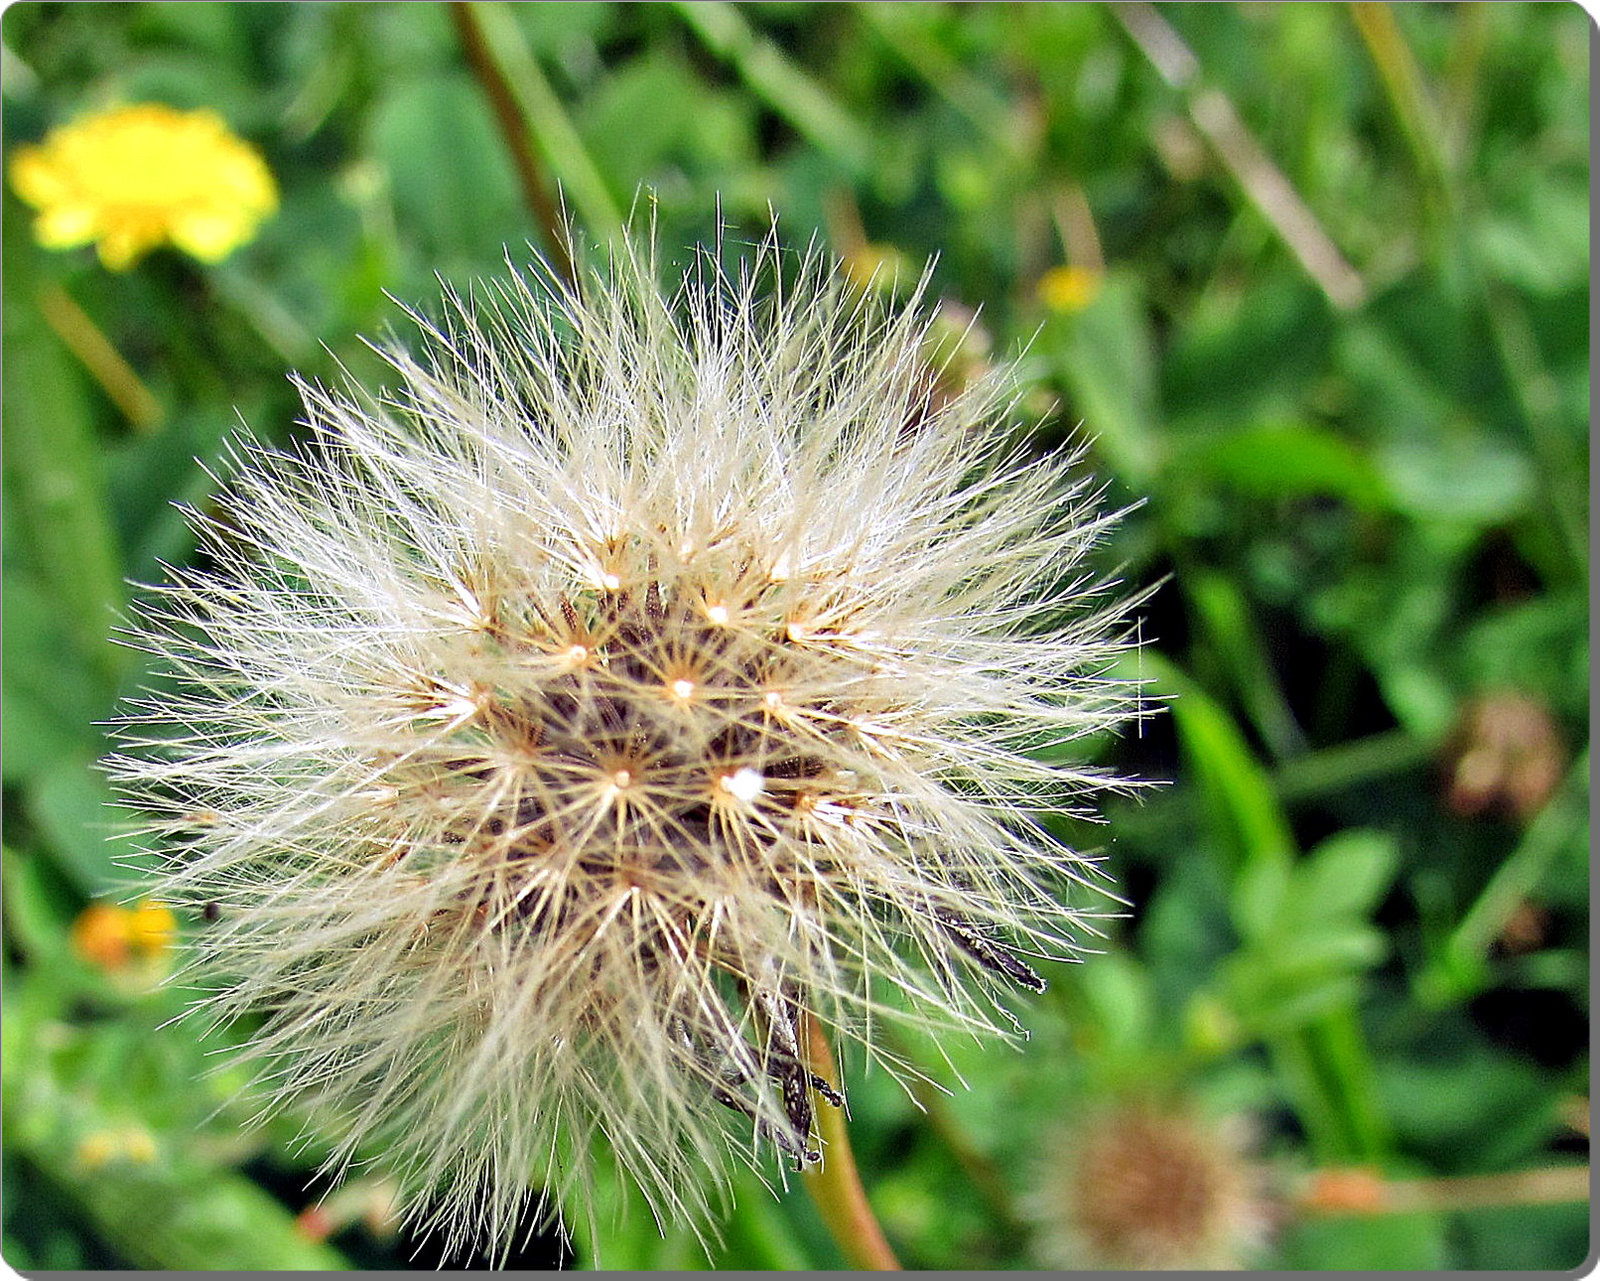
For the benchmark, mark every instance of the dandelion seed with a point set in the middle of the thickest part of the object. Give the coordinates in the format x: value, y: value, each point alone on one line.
x: 647, y: 815
x: 743, y: 785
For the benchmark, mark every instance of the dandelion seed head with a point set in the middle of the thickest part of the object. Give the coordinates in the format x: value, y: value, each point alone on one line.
x: 1149, y: 1187
x: 640, y: 679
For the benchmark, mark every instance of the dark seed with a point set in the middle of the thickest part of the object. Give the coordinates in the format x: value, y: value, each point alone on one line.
x: 827, y: 1091
x: 987, y: 953
x: 784, y: 1139
x: 796, y: 1098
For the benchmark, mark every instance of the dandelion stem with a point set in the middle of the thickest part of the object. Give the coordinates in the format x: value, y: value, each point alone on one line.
x: 835, y: 1184
x: 514, y: 127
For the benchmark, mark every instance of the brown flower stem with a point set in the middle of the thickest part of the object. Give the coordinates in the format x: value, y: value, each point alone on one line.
x: 835, y: 1184
x: 514, y: 128
x: 95, y: 352
x: 1361, y: 1193
x: 1263, y: 183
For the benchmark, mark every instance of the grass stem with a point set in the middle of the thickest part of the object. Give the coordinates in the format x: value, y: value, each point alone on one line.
x: 95, y: 352
x: 1460, y: 968
x: 514, y: 129
x: 1262, y: 182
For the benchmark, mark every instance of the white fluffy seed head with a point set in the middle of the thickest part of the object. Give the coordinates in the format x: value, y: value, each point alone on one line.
x: 642, y: 680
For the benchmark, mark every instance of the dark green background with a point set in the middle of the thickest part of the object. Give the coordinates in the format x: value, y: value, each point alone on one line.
x: 1363, y: 519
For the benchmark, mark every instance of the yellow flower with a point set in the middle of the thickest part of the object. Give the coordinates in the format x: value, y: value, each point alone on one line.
x: 133, y: 1144
x: 113, y: 937
x: 1068, y: 289
x: 132, y: 178
x: 151, y: 927
x: 97, y: 1150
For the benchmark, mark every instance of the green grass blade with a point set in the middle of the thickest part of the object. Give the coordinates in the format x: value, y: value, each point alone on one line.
x: 783, y: 86
x: 551, y: 126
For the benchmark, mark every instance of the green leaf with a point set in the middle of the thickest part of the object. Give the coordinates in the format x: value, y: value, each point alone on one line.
x: 1390, y: 1243
x: 1242, y: 355
x: 35, y: 736
x: 1539, y: 645
x: 1345, y: 876
x: 1421, y: 698
x: 1526, y: 1238
x: 1106, y: 356
x: 558, y: 140
x: 1541, y: 245
x: 436, y: 139
x: 1459, y: 968
x: 1333, y: 949
x: 1464, y: 1103
x: 50, y: 698
x: 1118, y: 991
x: 53, y: 467
x: 1236, y: 787
x: 1259, y: 895
x: 71, y: 805
x: 1283, y: 460
x: 758, y: 1234
x: 1458, y: 477
x: 1265, y: 976
x: 1229, y: 627
x: 174, y: 1210
x: 640, y: 115
x: 35, y: 917
x: 787, y: 88
x: 558, y: 28
x: 1276, y: 1015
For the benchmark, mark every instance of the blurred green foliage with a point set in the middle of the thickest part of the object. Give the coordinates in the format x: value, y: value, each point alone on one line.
x: 1359, y: 912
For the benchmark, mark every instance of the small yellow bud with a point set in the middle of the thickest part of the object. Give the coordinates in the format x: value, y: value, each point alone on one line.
x: 1068, y: 289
